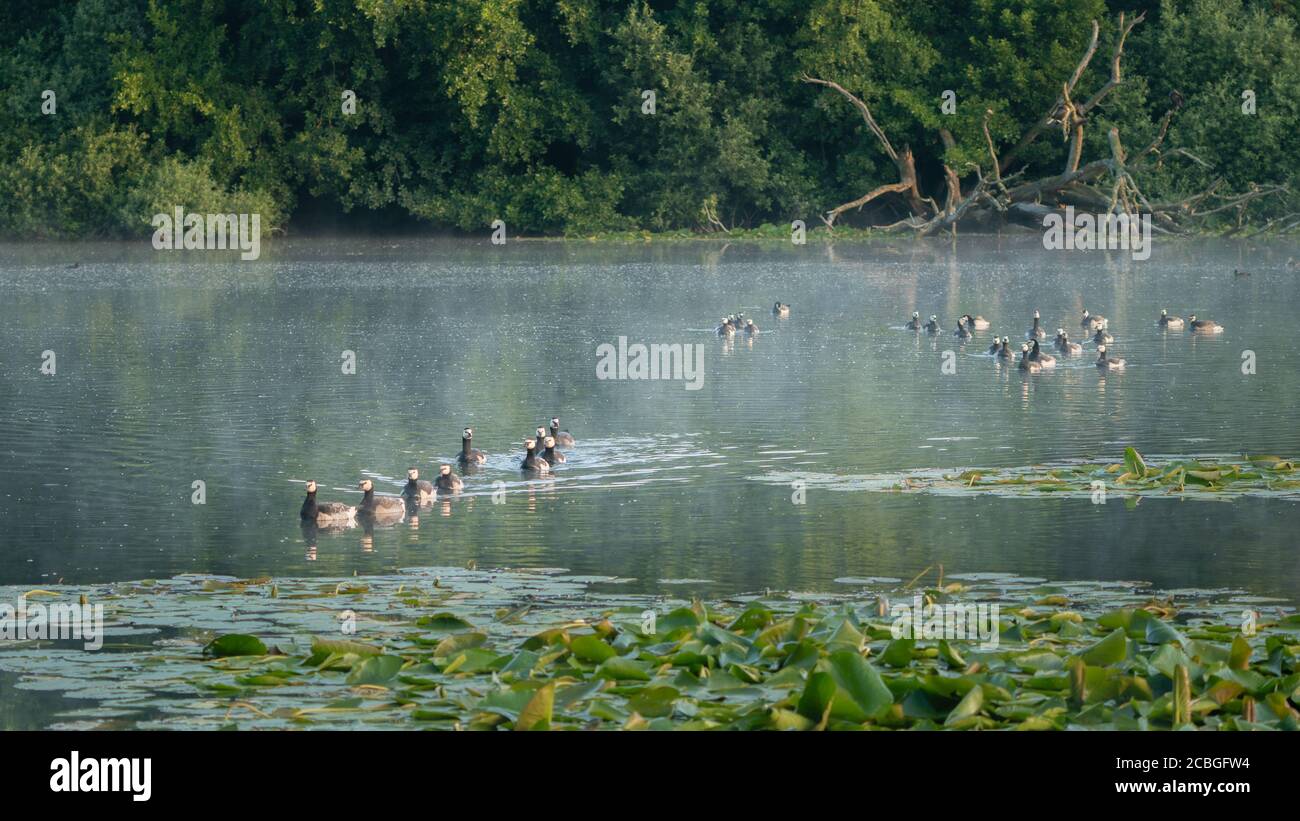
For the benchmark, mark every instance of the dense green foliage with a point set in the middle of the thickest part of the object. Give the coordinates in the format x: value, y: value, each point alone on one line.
x: 531, y: 112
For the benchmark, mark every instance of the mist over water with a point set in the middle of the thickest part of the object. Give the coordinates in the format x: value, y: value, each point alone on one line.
x: 229, y: 373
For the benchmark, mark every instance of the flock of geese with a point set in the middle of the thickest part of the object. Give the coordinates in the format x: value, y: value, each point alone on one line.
x: 419, y: 492
x: 1032, y: 356
x: 540, y: 455
x: 733, y: 324
x: 542, y: 452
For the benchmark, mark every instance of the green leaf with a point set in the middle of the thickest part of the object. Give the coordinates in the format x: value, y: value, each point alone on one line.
x: 536, y: 715
x: 235, y: 644
x: 321, y: 646
x: 1167, y: 659
x: 681, y: 618
x: 846, y: 637
x: 457, y: 642
x: 898, y: 653
x: 592, y: 649
x: 375, y: 670
x: 1239, y: 657
x: 1116, y: 618
x: 622, y: 669
x: 568, y: 696
x: 444, y: 622
x: 1036, y: 660
x: 790, y: 720
x: 950, y: 656
x: 755, y: 617
x: 1134, y: 463
x: 522, y: 663
x: 968, y: 707
x: 855, y: 676
x: 1110, y: 650
x: 1162, y: 632
x: 473, y: 660
x: 508, y: 703
x: 818, y: 695
x: 654, y: 702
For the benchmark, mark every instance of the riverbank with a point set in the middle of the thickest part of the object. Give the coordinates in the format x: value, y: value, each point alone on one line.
x: 1266, y: 253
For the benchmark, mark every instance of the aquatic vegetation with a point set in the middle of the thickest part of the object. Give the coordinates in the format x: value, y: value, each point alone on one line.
x: 511, y: 649
x: 1178, y: 477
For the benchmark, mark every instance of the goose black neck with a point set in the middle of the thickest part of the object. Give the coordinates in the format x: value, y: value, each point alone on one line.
x: 464, y: 445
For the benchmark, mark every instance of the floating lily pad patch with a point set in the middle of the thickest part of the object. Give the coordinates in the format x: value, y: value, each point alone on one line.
x: 1129, y: 476
x: 515, y: 650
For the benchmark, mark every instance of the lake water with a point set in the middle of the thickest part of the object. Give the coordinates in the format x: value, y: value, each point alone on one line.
x: 171, y: 370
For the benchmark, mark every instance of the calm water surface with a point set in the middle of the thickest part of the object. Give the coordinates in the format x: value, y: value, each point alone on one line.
x: 170, y: 372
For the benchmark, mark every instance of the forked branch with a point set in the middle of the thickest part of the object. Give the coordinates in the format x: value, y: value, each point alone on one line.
x: 902, y: 160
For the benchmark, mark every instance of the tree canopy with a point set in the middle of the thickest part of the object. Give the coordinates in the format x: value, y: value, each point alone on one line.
x: 534, y: 112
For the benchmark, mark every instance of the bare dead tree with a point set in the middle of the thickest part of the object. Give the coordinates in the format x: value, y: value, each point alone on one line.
x: 1105, y: 184
x: 1064, y: 111
x: 903, y: 161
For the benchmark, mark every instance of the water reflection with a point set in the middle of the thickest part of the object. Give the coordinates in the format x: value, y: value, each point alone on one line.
x: 171, y: 373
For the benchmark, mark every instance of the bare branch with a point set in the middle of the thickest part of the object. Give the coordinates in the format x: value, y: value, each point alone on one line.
x: 993, y: 154
x: 1066, y: 113
x: 892, y: 188
x: 1052, y: 115
x: 711, y: 216
x: 1160, y: 136
x: 862, y: 107
x: 1116, y: 77
x: 1189, y: 155
x: 1255, y: 192
x: 1189, y: 204
x: 903, y: 161
x: 952, y: 218
x: 1103, y: 185
x: 1031, y: 191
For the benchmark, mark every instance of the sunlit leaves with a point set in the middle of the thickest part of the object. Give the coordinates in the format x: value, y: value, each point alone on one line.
x: 1068, y: 655
x: 375, y: 670
x: 235, y: 644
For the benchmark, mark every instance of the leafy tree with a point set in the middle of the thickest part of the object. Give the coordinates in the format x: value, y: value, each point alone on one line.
x: 530, y: 111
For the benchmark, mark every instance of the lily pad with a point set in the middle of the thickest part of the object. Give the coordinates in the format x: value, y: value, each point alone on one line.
x: 235, y: 644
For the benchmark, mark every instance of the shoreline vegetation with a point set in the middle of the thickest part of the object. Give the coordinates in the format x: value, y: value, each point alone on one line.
x: 471, y: 649
x: 674, y: 120
x: 767, y: 233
